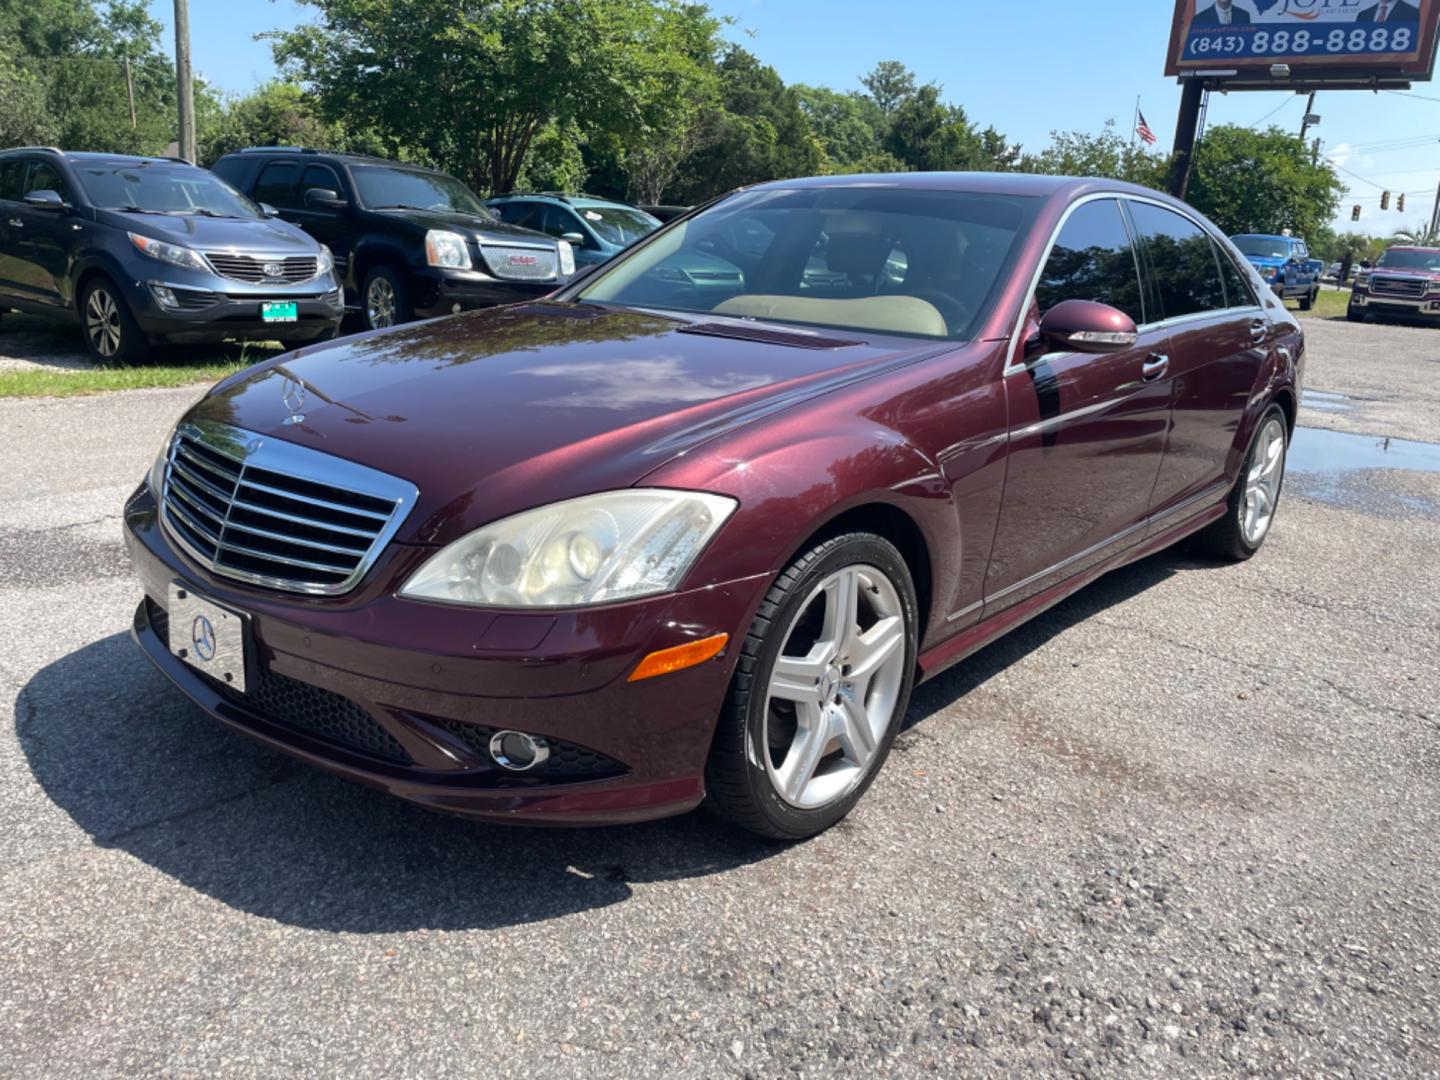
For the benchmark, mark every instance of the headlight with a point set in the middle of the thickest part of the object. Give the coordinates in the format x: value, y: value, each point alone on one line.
x: 1434, y: 286
x: 173, y: 254
x: 447, y: 249
x: 592, y: 550
x: 567, y: 258
x: 327, y: 261
x: 1362, y: 280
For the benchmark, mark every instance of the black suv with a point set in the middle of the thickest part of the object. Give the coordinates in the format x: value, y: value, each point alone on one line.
x: 408, y: 242
x: 148, y: 250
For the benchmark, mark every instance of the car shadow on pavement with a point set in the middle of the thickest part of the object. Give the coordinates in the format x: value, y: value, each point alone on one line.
x: 141, y: 769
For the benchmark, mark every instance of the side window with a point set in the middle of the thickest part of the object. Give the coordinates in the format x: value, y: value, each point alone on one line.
x: 559, y: 221
x: 527, y: 215
x: 1301, y: 251
x: 1093, y: 259
x: 318, y: 176
x: 1238, y: 292
x: 276, y: 184
x: 1182, y: 261
x: 45, y: 177
x: 12, y: 172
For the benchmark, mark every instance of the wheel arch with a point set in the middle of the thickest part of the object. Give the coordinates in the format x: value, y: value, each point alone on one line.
x: 368, y: 256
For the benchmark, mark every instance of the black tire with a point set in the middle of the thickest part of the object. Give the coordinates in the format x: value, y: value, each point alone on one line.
x: 383, y: 277
x: 1226, y: 539
x: 1354, y: 314
x: 110, y: 331
x: 739, y: 788
x: 1308, y: 300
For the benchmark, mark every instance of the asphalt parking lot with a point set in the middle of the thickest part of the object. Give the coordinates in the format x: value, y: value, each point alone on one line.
x: 1184, y: 824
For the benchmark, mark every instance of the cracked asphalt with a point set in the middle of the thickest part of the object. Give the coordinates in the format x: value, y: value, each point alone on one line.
x: 1182, y: 825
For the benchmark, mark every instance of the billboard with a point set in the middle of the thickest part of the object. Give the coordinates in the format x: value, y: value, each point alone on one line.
x: 1379, y: 37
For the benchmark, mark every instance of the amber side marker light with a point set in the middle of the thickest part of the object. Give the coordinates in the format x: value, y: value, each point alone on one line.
x: 680, y: 657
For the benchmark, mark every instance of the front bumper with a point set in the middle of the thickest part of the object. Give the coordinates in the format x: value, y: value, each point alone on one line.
x: 403, y: 696
x: 215, y: 309
x: 1427, y: 307
x: 435, y: 291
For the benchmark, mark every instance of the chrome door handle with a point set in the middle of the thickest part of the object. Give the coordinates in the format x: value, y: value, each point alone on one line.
x: 1258, y: 329
x: 1155, y: 367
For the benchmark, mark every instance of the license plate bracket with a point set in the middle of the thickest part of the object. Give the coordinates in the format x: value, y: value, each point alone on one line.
x: 210, y: 637
x: 279, y: 311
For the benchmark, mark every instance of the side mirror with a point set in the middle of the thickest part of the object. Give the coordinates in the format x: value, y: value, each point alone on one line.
x: 319, y: 198
x: 1085, y: 326
x: 46, y: 200
x: 268, y: 210
x: 578, y: 239
x: 582, y: 272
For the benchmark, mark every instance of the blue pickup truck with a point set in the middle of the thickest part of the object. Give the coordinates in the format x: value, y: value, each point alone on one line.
x: 1284, y: 262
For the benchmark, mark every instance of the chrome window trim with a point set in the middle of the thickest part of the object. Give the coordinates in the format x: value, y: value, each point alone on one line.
x: 1014, y: 366
x: 302, y: 463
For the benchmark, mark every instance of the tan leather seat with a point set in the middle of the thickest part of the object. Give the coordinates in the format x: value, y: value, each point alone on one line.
x: 898, y: 314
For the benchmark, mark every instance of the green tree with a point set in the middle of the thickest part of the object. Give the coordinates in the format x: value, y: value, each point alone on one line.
x: 1262, y: 181
x: 25, y: 117
x: 555, y: 162
x: 757, y: 133
x: 76, y: 51
x: 1107, y: 155
x: 276, y: 114
x: 473, y: 84
x: 848, y: 126
x: 929, y: 135
x: 890, y: 84
x: 1422, y: 235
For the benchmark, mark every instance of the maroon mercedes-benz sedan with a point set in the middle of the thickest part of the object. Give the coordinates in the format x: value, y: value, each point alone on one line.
x: 690, y: 530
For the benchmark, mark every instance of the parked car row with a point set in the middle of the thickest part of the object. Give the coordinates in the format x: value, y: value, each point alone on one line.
x: 274, y: 243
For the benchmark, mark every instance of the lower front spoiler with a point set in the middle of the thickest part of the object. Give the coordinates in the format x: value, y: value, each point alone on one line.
x: 1428, y: 309
x: 622, y: 800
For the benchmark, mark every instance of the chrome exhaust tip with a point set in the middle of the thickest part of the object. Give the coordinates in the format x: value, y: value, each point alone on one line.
x: 518, y: 752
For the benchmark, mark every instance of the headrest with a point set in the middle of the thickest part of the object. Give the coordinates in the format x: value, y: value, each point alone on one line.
x: 858, y: 254
x: 896, y: 314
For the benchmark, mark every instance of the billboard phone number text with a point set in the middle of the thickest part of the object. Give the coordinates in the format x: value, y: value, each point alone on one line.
x: 1340, y: 41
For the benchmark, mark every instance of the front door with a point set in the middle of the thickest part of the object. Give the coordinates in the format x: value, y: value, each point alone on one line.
x: 329, y: 226
x: 1086, y: 432
x: 44, y: 238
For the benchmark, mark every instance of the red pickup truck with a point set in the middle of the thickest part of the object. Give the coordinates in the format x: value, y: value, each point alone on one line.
x: 1404, y: 282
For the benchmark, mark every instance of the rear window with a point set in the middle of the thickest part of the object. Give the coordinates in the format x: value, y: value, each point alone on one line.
x: 884, y: 260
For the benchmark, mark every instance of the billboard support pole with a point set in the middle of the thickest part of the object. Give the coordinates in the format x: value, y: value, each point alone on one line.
x: 1435, y: 214
x: 1186, y: 126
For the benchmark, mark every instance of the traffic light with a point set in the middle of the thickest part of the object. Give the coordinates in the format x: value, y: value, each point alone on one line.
x: 1400, y: 203
x: 1355, y: 213
x: 1385, y: 200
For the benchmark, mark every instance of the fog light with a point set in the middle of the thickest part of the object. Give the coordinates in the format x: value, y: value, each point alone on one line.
x: 516, y: 751
x: 165, y: 296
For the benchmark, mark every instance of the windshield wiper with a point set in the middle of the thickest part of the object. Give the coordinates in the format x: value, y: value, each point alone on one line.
x: 205, y: 213
x: 399, y: 206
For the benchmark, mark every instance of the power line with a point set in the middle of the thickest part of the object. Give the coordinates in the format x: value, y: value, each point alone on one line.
x: 1418, y: 97
x: 1273, y: 111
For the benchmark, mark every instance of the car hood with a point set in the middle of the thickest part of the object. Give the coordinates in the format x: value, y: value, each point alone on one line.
x: 1268, y: 262
x: 493, y: 412
x: 1404, y: 272
x: 270, y: 235
x: 474, y: 224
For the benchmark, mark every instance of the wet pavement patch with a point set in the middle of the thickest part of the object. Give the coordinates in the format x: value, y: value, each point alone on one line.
x: 1325, y: 401
x: 1349, y: 470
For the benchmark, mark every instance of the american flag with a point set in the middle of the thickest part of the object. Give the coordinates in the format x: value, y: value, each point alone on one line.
x: 1143, y: 130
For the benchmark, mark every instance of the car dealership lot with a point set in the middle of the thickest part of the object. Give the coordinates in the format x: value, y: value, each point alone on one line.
x: 1184, y: 822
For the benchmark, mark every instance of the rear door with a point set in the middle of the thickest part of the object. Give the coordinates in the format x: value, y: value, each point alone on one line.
x: 1219, y: 337
x: 1086, y: 431
x: 12, y: 225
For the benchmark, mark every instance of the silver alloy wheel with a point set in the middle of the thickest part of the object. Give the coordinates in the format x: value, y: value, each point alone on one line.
x: 102, y: 322
x: 834, y: 688
x: 380, y: 303
x: 1262, y: 483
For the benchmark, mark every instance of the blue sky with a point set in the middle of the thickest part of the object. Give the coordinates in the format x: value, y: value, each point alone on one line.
x: 1026, y: 68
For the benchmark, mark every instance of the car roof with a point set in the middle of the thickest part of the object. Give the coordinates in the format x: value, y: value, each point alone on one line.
x: 1411, y: 247
x: 327, y: 155
x: 79, y: 157
x: 1262, y: 236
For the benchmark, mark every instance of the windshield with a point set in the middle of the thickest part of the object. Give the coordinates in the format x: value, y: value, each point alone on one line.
x: 877, y: 259
x: 383, y: 188
x: 618, y: 224
x: 1411, y: 259
x: 1264, y: 247
x: 161, y: 188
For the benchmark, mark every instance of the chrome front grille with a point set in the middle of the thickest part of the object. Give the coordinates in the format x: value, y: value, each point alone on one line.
x: 257, y: 268
x: 272, y: 513
x: 1413, y: 288
x: 521, y: 262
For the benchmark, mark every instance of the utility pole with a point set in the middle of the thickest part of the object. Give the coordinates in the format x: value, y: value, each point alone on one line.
x: 1305, y: 121
x: 184, y: 80
x: 1186, y: 126
x: 130, y: 91
x: 1435, y: 214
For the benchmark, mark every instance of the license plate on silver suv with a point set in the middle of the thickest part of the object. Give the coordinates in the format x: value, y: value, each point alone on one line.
x: 208, y: 637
